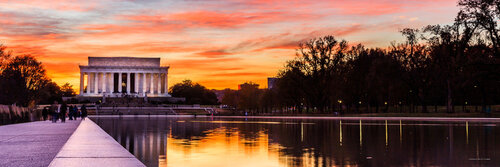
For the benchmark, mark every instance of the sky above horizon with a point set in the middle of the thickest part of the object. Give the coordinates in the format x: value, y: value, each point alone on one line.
x: 218, y: 44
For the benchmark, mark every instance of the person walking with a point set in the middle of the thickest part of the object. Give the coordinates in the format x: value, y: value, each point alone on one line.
x: 84, y: 112
x: 75, y: 111
x: 64, y: 108
x: 70, y: 113
x: 45, y: 113
x: 54, y: 109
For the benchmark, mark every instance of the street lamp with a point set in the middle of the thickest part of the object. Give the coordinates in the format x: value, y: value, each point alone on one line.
x: 340, y: 105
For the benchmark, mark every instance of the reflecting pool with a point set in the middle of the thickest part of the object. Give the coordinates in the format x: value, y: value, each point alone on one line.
x: 205, y: 141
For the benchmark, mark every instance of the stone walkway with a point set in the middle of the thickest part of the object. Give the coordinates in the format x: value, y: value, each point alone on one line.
x: 91, y: 146
x: 34, y: 143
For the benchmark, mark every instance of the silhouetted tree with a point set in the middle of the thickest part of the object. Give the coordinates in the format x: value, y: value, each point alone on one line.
x: 49, y: 93
x: 193, y: 92
x: 318, y: 62
x: 485, y: 15
x: 22, y: 79
x: 248, y: 96
x: 417, y: 66
x: 291, y: 86
x: 230, y: 98
x: 67, y: 90
x: 268, y: 99
x: 373, y: 79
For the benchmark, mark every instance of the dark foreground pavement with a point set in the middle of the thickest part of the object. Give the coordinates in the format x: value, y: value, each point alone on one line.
x: 34, y: 143
x: 90, y: 146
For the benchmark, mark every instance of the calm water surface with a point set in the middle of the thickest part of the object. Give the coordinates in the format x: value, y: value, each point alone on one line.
x: 177, y: 141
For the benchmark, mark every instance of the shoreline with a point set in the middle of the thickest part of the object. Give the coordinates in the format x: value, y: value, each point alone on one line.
x: 440, y: 119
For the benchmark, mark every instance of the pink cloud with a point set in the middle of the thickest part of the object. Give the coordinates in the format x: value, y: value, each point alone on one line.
x: 213, y: 53
x: 98, y: 30
x: 60, y: 5
x: 218, y: 19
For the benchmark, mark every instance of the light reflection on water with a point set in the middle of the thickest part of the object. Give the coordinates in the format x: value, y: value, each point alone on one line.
x: 175, y: 141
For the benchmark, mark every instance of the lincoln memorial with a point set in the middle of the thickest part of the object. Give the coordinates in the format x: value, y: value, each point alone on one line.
x: 119, y: 76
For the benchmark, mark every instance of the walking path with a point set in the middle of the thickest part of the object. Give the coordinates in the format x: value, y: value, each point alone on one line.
x: 34, y: 143
x: 91, y: 146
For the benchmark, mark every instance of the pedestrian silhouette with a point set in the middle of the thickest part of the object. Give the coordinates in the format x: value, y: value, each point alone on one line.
x: 84, y: 112
x: 45, y: 113
x: 55, y: 110
x: 64, y: 108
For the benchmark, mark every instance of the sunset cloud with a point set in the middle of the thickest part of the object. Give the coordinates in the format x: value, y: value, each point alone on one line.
x: 217, y: 43
x: 213, y: 53
x: 61, y: 5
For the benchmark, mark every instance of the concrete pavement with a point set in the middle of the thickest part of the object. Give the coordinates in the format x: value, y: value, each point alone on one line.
x: 91, y: 146
x: 34, y: 143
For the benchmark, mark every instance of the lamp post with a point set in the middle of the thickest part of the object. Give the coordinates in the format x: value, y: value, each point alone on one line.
x: 340, y: 106
x: 400, y: 107
x: 359, y: 105
x: 464, y: 108
x: 386, y: 107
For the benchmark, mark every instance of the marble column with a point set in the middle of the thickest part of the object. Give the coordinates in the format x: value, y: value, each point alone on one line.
x: 119, y: 82
x: 81, y: 82
x: 151, y: 84
x: 109, y: 77
x: 96, y: 82
x: 143, y: 84
x: 104, y: 82
x: 88, y: 83
x: 159, y: 83
x: 136, y: 82
x: 112, y: 86
x: 128, y: 83
x: 166, y: 83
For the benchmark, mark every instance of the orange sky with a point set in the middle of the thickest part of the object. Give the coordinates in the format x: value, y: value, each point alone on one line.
x: 219, y: 44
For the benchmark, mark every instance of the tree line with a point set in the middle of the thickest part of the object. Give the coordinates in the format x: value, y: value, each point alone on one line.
x: 437, y: 65
x: 194, y: 93
x: 24, y: 82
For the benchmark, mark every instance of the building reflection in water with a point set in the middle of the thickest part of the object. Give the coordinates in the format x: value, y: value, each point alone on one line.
x: 162, y: 141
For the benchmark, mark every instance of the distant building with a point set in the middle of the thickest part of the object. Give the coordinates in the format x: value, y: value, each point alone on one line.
x: 116, y: 76
x: 271, y: 82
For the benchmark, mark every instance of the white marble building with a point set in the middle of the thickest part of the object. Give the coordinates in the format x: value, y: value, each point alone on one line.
x: 118, y: 76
